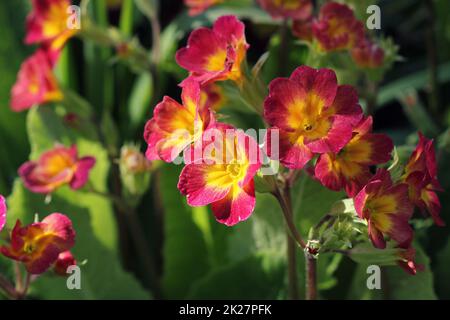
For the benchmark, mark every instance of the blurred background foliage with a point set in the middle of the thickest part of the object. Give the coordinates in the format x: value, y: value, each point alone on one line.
x: 187, y: 254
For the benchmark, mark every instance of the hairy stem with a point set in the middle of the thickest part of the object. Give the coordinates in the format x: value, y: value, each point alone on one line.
x: 311, y: 276
x: 294, y: 240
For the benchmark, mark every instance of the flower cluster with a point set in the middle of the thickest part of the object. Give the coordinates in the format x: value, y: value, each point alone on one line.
x: 46, y: 26
x: 318, y: 123
x: 334, y: 29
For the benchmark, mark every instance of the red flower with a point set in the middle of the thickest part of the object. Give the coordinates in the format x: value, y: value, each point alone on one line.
x: 224, y: 177
x: 421, y: 177
x: 54, y: 168
x: 174, y: 127
x: 294, y: 9
x: 215, y: 54
x: 313, y: 114
x: 337, y: 28
x: 198, y: 6
x: 47, y: 24
x: 64, y: 261
x: 3, y: 210
x: 368, y: 55
x: 35, y: 83
x: 387, y: 209
x: 350, y: 167
x: 39, y: 244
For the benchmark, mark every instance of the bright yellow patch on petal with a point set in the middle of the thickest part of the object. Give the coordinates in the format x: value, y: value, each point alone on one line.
x: 36, y: 240
x: 357, y: 150
x: 55, y: 20
x: 216, y: 62
x: 380, y: 208
x: 347, y: 168
x: 308, y: 117
x: 233, y: 167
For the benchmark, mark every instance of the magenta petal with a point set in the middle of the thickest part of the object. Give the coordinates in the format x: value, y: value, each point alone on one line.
x: 192, y: 184
x: 81, y: 175
x: 235, y: 207
x: 3, y: 210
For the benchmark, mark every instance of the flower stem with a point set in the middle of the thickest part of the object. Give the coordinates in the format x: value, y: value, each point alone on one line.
x: 311, y: 276
x: 294, y: 239
x: 288, y: 216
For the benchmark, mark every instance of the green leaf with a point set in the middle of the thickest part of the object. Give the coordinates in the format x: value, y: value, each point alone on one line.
x: 102, y: 277
x: 259, y: 276
x: 185, y: 248
x: 14, y: 145
x: 396, y: 283
x: 92, y: 216
x: 442, y: 265
x: 311, y: 201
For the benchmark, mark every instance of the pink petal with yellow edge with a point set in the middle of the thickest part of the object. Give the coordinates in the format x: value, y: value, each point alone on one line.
x: 203, y: 184
x: 237, y: 206
x: 327, y: 174
x: 3, y: 210
x: 81, y: 175
x: 203, y: 44
x: 191, y: 95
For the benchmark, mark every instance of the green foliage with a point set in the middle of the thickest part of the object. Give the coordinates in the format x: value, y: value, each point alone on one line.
x: 396, y: 283
x: 92, y: 216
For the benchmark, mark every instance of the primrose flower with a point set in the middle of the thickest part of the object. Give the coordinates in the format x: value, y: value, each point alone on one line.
x: 64, y: 261
x: 196, y: 7
x: 368, y: 55
x: 39, y: 244
x: 56, y: 167
x: 224, y: 177
x: 47, y: 24
x: 212, y: 96
x: 294, y: 9
x: 337, y: 28
x: 312, y: 113
x: 3, y: 210
x: 215, y: 54
x: 421, y: 177
x: 387, y: 209
x: 174, y: 127
x: 36, y: 83
x: 350, y: 167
